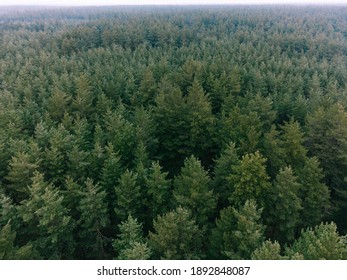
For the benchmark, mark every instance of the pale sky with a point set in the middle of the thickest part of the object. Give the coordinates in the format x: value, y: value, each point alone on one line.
x: 161, y: 2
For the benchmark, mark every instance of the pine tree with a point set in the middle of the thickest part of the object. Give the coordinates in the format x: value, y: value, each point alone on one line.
x: 130, y: 244
x: 238, y: 232
x: 46, y: 220
x: 283, y: 206
x: 273, y: 150
x: 249, y: 180
x: 201, y: 121
x: 172, y: 127
x: 176, y: 236
x: 120, y: 133
x: 267, y: 251
x: 244, y: 129
x: 8, y: 250
x: 111, y: 169
x: 93, y: 221
x: 128, y: 196
x: 21, y: 169
x: 320, y: 243
x: 191, y: 190
x: 326, y: 139
x: 314, y: 194
x: 158, y: 190
x: 292, y: 143
x: 223, y: 169
x: 185, y: 124
x: 147, y: 90
x: 58, y: 104
x: 83, y: 101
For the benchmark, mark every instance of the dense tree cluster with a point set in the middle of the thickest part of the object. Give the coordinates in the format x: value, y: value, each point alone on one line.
x: 173, y: 133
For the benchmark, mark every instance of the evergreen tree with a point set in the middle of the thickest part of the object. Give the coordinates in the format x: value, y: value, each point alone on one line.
x: 191, y: 190
x: 46, y: 221
x: 8, y: 250
x: 320, y: 243
x: 19, y: 176
x: 130, y: 244
x: 223, y: 169
x: 267, y: 251
x: 201, y: 121
x: 128, y: 196
x: 314, y: 194
x: 244, y: 129
x: 158, y: 190
x: 147, y: 90
x: 239, y: 232
x: 185, y: 124
x: 58, y: 104
x: 93, y: 221
x: 83, y: 101
x: 273, y: 150
x: 176, y: 236
x: 249, y: 180
x: 326, y: 139
x: 283, y: 206
x: 292, y: 143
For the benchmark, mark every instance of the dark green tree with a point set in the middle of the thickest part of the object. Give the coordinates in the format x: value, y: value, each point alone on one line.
x: 314, y: 194
x: 320, y: 243
x: 267, y: 251
x: 223, y: 169
x: 327, y: 140
x: 283, y: 207
x: 176, y: 236
x: 93, y: 220
x: 130, y: 244
x: 8, y: 249
x: 21, y: 169
x: 158, y: 190
x: 46, y: 221
x: 191, y: 190
x: 128, y: 196
x: 238, y: 232
x: 249, y: 180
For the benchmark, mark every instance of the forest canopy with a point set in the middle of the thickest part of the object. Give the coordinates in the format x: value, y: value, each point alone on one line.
x: 213, y: 132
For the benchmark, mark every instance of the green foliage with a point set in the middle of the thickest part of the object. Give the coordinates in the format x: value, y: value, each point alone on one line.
x: 58, y: 104
x: 244, y: 129
x: 226, y: 99
x: 191, y: 190
x: 130, y: 244
x: 239, y: 232
x: 284, y: 206
x: 83, y: 101
x: 147, y: 90
x: 176, y: 236
x: 158, y: 190
x: 249, y: 180
x: 223, y: 169
x: 19, y: 176
x: 327, y: 139
x: 111, y: 169
x: 8, y: 251
x: 120, y: 133
x: 93, y: 220
x: 46, y: 221
x: 128, y: 196
x: 314, y: 194
x: 292, y: 142
x: 320, y: 243
x: 185, y: 123
x: 267, y: 251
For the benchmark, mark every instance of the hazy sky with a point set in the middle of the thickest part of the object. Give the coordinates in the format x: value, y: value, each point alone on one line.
x: 162, y: 2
